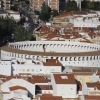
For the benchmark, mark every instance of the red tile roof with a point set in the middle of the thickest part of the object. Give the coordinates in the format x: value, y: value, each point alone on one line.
x: 87, y: 97
x: 64, y: 14
x: 92, y: 85
x: 51, y: 98
x: 52, y: 62
x: 16, y: 88
x: 37, y: 79
x: 68, y: 80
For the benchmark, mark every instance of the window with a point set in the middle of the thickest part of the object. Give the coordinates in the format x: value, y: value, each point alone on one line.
x: 71, y: 88
x: 32, y: 70
x: 95, y: 88
x: 28, y: 70
x: 23, y: 70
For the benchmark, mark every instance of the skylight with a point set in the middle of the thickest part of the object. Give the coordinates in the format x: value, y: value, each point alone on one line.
x: 64, y: 77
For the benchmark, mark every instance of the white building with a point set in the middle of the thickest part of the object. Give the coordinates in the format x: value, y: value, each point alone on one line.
x: 18, y: 82
x: 92, y: 22
x: 29, y: 66
x: 64, y: 85
x: 5, y: 67
x: 33, y: 67
x: 44, y: 89
x: 91, y: 89
x: 14, y: 14
x: 16, y: 92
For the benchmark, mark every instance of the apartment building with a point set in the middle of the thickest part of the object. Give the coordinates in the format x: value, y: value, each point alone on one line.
x: 6, y: 4
x: 53, y: 4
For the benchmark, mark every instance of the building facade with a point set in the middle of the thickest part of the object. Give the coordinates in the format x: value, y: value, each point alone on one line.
x: 37, y: 4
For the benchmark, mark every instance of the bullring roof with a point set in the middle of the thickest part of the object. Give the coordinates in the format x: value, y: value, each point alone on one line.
x: 91, y: 53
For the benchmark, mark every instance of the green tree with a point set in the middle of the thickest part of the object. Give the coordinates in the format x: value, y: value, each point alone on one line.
x: 6, y: 26
x: 70, y: 6
x: 20, y: 34
x: 55, y: 13
x: 32, y: 37
x: 84, y: 4
x: 45, y: 12
x: 90, y: 5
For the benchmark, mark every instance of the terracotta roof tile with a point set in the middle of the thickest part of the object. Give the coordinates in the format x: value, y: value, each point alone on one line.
x: 79, y: 12
x: 98, y: 74
x: 92, y: 53
x: 37, y: 79
x: 47, y: 95
x: 51, y: 98
x: 87, y: 97
x: 16, y: 88
x: 64, y: 78
x: 52, y: 62
x: 65, y: 14
x: 9, y: 78
x: 45, y: 87
x: 92, y: 85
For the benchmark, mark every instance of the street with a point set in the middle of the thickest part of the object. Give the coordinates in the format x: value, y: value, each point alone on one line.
x: 31, y: 16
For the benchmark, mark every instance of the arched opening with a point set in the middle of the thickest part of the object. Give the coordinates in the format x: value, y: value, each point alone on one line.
x: 43, y: 45
x: 58, y: 45
x: 91, y: 58
x: 51, y: 57
x: 36, y: 45
x: 70, y: 59
x: 54, y: 45
x: 74, y: 58
x: 97, y: 57
x: 62, y: 45
x: 21, y: 56
x: 33, y: 45
x: 94, y: 58
x: 61, y: 59
x: 86, y: 58
x: 65, y: 45
x: 79, y: 47
x: 79, y: 59
x: 83, y: 58
x: 72, y: 46
x: 66, y: 59
x: 57, y: 58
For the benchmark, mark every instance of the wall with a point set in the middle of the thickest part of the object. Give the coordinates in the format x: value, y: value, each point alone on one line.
x: 93, y: 22
x: 5, y: 70
x: 67, y: 90
x: 54, y: 86
x: 83, y: 78
x: 47, y: 91
x: 19, y: 93
x: 21, y: 82
x: 54, y: 46
x: 59, y: 47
